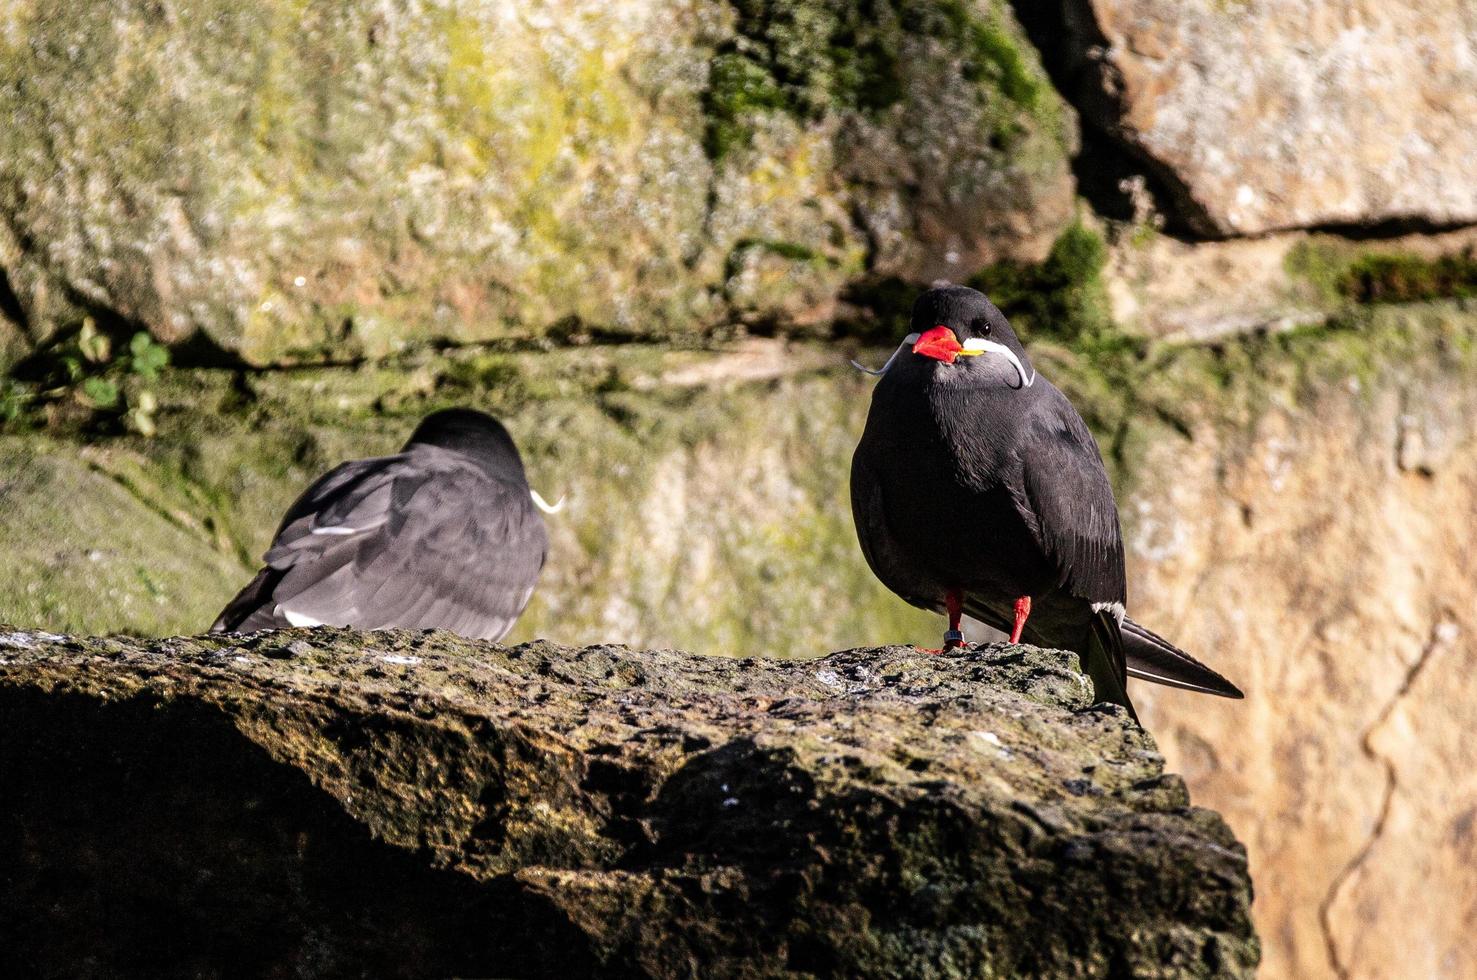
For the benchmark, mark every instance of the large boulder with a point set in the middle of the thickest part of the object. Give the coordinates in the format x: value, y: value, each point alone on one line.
x: 412, y: 804
x: 290, y: 177
x: 1287, y: 114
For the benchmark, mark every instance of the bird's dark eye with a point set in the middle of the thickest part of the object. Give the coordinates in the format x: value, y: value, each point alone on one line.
x: 981, y: 325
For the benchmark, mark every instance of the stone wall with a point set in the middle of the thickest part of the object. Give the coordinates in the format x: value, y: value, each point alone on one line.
x: 1264, y: 116
x: 291, y: 179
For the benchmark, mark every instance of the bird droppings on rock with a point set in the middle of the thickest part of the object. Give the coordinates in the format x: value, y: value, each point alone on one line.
x: 21, y: 640
x: 544, y: 810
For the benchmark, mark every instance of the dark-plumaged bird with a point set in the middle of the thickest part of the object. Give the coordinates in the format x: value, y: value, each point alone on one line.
x: 977, y: 489
x: 445, y: 534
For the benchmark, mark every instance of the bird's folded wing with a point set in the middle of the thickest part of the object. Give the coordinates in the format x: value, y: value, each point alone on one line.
x: 1070, y: 500
x: 874, y: 530
x: 421, y: 539
x: 868, y: 514
x: 339, y: 491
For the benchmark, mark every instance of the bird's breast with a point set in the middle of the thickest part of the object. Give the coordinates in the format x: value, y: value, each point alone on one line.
x: 952, y: 518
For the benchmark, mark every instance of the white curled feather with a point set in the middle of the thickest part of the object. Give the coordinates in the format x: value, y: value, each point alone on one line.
x: 544, y: 505
x: 981, y: 345
x: 911, y: 338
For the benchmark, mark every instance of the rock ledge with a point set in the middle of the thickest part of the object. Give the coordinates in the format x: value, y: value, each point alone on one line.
x: 402, y: 804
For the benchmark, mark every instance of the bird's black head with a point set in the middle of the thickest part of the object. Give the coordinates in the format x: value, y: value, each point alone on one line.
x: 960, y: 328
x: 474, y: 434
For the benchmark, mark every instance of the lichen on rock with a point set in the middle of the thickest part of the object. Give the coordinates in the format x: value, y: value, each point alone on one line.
x: 296, y: 178
x: 414, y: 803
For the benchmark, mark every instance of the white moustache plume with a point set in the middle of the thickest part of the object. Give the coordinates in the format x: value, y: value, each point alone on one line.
x: 544, y: 505
x: 909, y: 340
x: 979, y: 345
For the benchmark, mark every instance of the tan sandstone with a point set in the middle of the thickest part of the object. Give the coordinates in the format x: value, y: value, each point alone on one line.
x: 1276, y: 114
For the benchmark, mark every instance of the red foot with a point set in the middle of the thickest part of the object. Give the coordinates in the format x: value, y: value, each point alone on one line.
x: 1022, y: 613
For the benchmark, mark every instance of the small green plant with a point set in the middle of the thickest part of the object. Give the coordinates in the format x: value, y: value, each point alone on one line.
x: 85, y: 370
x: 147, y: 358
x: 16, y: 398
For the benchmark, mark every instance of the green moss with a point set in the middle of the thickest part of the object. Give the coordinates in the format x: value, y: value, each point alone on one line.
x: 1340, y: 272
x: 737, y: 88
x: 789, y: 251
x: 994, y: 53
x: 1061, y: 300
x: 804, y: 59
x: 1062, y: 297
x: 1396, y: 278
x: 821, y: 56
x: 1320, y: 263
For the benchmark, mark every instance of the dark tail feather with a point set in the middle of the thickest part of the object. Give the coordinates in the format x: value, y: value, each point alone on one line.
x: 247, y: 601
x: 1153, y: 658
x: 1105, y: 662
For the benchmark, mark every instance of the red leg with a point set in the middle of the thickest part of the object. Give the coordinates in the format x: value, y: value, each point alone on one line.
x: 954, y: 603
x: 953, y: 639
x: 1022, y: 613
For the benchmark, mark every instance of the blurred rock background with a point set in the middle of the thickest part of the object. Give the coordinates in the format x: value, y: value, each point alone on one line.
x: 239, y: 243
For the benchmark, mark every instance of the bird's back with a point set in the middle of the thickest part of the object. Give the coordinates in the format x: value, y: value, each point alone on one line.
x: 424, y: 539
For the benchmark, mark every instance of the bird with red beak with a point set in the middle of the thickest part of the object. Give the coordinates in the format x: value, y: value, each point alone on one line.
x: 978, y: 490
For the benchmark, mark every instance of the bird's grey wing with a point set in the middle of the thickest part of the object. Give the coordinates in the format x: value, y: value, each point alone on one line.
x: 339, y: 492
x: 440, y: 544
x: 350, y: 499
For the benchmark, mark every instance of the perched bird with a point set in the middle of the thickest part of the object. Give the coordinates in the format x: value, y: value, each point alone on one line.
x: 444, y: 534
x: 977, y: 489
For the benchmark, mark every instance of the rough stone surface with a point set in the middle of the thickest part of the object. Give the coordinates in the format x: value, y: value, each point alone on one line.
x: 1168, y: 288
x: 1277, y: 114
x: 1329, y: 508
x: 295, y: 177
x: 411, y: 804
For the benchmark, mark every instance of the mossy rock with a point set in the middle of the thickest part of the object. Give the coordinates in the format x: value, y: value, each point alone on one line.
x: 297, y: 179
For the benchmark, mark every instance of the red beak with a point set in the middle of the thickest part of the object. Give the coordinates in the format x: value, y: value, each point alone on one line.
x: 939, y: 344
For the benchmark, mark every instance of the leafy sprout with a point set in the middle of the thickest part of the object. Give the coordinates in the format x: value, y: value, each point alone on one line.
x: 87, y: 370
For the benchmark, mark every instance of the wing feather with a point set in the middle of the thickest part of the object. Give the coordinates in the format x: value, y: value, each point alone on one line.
x: 1153, y: 658
x: 425, y: 539
x: 1071, y: 501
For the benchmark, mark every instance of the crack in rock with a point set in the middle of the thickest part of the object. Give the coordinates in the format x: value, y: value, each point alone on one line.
x: 1442, y: 633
